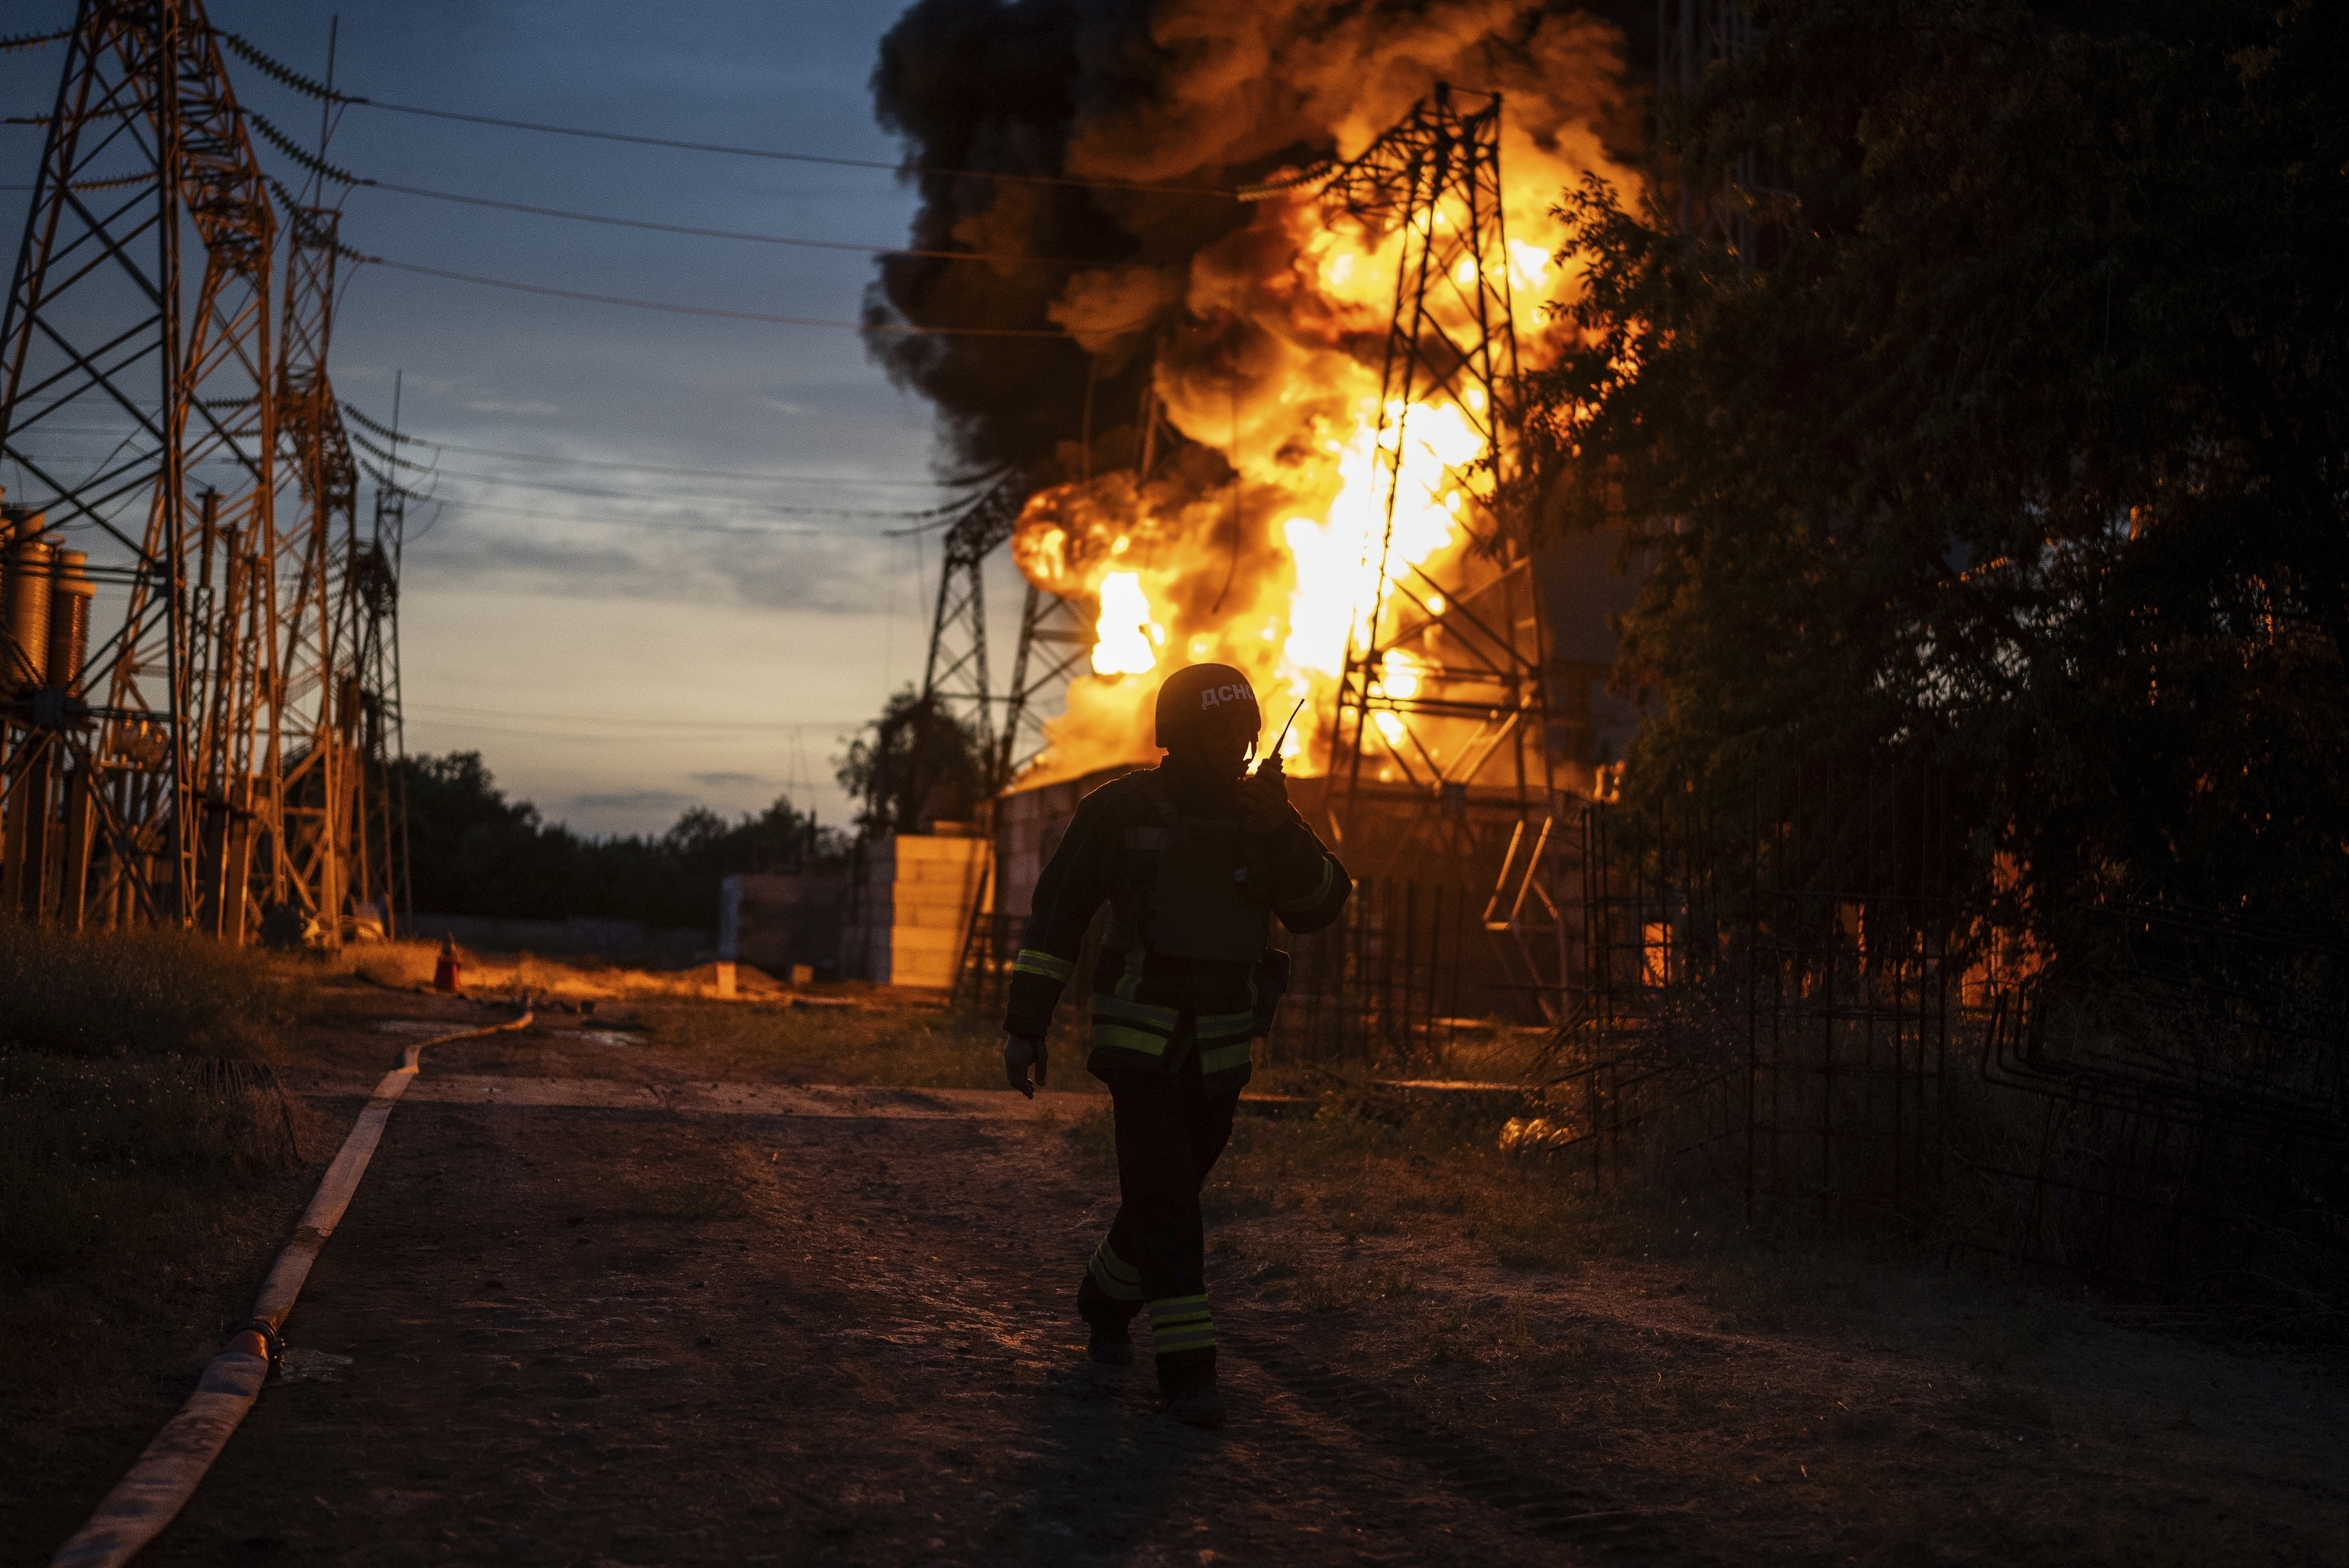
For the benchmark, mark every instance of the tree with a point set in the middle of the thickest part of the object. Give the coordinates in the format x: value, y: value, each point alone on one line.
x: 2015, y: 445
x: 476, y: 852
x: 915, y: 762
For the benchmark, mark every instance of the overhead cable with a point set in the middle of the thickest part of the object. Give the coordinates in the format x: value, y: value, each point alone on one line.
x: 630, y: 720
x: 957, y: 482
x: 996, y: 258
x: 386, y: 431
x: 690, y: 473
x: 648, y: 525
x: 297, y: 152
x: 679, y: 501
x: 385, y: 454
x: 897, y: 327
x: 300, y: 83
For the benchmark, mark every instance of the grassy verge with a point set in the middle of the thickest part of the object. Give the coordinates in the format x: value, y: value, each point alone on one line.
x: 151, y: 1167
x: 914, y: 1046
x: 1371, y: 1164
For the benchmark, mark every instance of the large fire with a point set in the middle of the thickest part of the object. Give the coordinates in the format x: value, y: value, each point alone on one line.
x: 1277, y: 571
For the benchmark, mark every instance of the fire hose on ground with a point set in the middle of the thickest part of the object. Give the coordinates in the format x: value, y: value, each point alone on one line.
x: 167, y: 1474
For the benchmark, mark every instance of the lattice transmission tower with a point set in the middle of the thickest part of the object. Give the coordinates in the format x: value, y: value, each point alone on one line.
x: 1440, y: 723
x: 318, y: 765
x: 1053, y: 640
x: 137, y: 776
x: 955, y: 676
x: 1442, y: 688
x: 378, y: 747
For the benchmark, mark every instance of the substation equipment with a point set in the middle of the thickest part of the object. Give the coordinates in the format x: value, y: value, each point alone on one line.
x: 201, y: 708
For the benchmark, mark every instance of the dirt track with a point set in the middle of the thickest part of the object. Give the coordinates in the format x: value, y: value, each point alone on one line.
x: 595, y: 1311
x: 644, y: 1335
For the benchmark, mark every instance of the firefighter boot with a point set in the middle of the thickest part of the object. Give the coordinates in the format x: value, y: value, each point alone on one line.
x: 1200, y: 1408
x: 1187, y: 1379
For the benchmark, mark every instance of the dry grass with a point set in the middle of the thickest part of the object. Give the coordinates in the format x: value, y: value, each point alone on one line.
x: 875, y: 1041
x: 150, y: 1165
x: 142, y: 993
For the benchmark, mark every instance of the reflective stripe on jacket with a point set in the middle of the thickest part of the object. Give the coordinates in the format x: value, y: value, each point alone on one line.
x: 1151, y: 1009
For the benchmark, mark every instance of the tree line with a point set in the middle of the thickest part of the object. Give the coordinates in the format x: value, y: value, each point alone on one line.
x: 474, y: 851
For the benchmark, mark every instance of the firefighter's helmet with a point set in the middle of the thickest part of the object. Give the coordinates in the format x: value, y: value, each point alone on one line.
x: 1192, y: 693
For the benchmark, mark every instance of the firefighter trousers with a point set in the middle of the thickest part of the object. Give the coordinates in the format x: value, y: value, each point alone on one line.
x: 1170, y: 1132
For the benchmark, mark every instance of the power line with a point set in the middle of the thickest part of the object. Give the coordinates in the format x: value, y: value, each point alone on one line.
x: 632, y: 719
x: 994, y: 257
x: 1223, y: 192
x: 287, y: 76
x: 684, y: 501
x: 611, y: 737
x: 711, y: 310
x: 693, y: 473
x: 650, y: 525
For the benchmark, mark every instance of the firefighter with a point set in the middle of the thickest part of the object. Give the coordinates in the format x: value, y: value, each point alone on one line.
x: 1194, y: 857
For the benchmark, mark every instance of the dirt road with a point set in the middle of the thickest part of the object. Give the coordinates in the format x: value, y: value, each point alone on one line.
x: 581, y: 1333
x: 588, y: 1309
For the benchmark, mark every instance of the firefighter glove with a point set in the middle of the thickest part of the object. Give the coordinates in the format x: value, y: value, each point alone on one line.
x: 1018, y: 1054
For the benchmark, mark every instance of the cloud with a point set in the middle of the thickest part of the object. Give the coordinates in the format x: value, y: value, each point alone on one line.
x: 632, y: 801
x: 674, y: 561
x: 730, y: 781
x: 504, y: 406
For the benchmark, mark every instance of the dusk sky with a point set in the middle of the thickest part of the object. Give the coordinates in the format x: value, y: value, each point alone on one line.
x: 620, y: 643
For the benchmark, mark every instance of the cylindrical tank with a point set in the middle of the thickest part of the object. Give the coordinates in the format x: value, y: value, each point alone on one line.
x: 70, y: 592
x: 27, y: 615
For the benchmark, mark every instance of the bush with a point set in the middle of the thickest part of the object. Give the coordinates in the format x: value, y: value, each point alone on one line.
x: 139, y: 993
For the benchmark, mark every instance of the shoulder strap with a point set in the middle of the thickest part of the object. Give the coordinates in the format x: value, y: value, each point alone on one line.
x: 1153, y: 790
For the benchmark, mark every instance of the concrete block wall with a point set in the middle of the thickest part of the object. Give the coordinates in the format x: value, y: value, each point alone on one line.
x: 916, y: 907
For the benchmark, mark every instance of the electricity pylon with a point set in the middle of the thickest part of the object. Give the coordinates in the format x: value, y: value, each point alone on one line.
x: 137, y: 788
x: 1053, y: 640
x: 313, y: 762
x: 1443, y: 686
x: 955, y: 676
x: 371, y: 610
x: 1443, y: 696
x: 1055, y: 644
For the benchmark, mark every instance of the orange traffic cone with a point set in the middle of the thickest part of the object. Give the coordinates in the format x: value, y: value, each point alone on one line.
x: 444, y: 974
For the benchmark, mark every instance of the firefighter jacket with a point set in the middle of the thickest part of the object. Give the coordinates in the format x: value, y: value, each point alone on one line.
x: 1183, y: 965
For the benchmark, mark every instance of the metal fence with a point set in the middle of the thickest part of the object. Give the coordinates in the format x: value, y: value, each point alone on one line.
x: 1787, y: 1004
x: 2190, y: 1077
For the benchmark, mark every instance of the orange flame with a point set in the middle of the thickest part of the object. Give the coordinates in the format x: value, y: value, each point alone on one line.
x: 1275, y: 570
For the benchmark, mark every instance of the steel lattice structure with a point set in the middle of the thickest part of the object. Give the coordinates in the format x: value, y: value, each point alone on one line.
x: 1474, y: 712
x: 1053, y: 639
x: 192, y: 768
x: 317, y: 778
x: 955, y: 676
x: 1055, y: 646
x: 132, y: 790
x: 1440, y: 723
x: 377, y: 748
